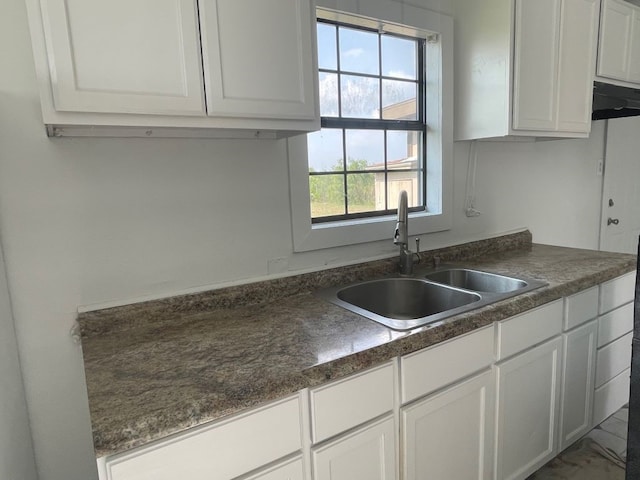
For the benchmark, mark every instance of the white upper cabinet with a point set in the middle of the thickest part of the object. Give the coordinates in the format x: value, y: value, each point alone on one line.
x: 525, y: 68
x: 576, y: 64
x: 535, y: 64
x: 619, y: 48
x: 124, y: 56
x: 166, y: 67
x: 262, y: 71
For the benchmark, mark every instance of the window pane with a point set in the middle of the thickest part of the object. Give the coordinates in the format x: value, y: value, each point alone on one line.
x: 327, y: 195
x: 403, y: 149
x: 399, y: 100
x: 402, y: 180
x: 365, y: 149
x: 325, y: 150
x: 328, y: 86
x: 360, y: 97
x: 362, y: 194
x: 399, y: 57
x: 359, y: 51
x: 327, y: 49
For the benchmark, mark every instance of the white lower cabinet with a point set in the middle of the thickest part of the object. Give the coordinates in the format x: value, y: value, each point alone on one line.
x: 368, y: 453
x: 528, y: 388
x: 290, y: 470
x: 579, y: 360
x: 449, y: 435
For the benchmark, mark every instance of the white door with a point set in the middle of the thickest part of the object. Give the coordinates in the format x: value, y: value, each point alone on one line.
x: 535, y: 64
x: 368, y: 453
x: 258, y: 58
x: 615, y: 29
x: 620, y: 222
x: 449, y: 435
x: 576, y: 65
x: 124, y: 56
x: 578, y: 382
x: 527, y: 404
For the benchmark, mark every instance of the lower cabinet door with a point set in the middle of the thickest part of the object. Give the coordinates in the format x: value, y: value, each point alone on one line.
x: 578, y: 382
x: 449, y: 435
x: 368, y: 453
x: 528, y: 398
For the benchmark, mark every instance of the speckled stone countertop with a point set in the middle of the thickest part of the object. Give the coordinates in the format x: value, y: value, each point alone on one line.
x: 159, y: 367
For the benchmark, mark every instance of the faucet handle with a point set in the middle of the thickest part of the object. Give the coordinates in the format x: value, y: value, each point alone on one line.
x: 418, y: 245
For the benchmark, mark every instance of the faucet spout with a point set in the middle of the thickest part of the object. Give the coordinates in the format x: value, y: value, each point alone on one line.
x: 401, y: 236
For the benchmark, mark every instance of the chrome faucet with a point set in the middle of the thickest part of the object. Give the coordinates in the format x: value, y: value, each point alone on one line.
x: 401, y: 237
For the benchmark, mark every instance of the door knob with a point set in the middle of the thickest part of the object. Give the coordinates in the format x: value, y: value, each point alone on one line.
x: 614, y: 221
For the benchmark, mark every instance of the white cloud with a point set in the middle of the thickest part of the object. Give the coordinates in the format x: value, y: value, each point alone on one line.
x: 399, y: 74
x: 354, y: 52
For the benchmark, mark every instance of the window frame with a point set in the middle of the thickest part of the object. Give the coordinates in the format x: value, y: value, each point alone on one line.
x: 347, y: 123
x: 437, y: 29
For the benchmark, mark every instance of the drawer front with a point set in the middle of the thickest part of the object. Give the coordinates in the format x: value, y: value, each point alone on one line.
x: 528, y: 329
x: 435, y: 367
x: 580, y: 308
x: 221, y: 451
x: 289, y: 470
x: 349, y: 402
x: 610, y: 397
x: 613, y: 359
x: 615, y: 324
x: 617, y: 292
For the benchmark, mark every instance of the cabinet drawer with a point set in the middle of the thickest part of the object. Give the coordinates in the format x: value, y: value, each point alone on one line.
x: 610, y: 397
x: 580, y: 308
x: 528, y: 329
x: 435, y: 367
x: 292, y: 469
x: 349, y: 402
x: 613, y: 359
x: 615, y: 324
x: 617, y: 292
x: 222, y: 451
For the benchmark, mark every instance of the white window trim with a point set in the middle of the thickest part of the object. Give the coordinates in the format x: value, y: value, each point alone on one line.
x: 439, y: 68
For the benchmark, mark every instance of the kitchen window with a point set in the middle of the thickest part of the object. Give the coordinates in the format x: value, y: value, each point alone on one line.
x: 386, y: 106
x: 371, y: 145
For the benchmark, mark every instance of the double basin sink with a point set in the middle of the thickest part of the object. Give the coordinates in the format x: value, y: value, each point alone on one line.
x: 403, y: 303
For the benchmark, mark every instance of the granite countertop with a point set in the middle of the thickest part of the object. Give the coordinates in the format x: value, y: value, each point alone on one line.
x: 159, y: 367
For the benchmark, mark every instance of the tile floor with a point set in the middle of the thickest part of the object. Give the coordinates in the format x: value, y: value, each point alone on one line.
x: 600, y: 455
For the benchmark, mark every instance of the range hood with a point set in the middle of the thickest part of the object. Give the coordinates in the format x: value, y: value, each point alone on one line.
x: 613, y: 101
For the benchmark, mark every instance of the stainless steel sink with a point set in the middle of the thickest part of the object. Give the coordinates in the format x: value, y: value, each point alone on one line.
x: 477, y: 281
x: 404, y: 303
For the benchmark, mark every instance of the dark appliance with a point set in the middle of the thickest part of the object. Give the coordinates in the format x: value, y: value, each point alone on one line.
x: 613, y: 101
x: 633, y: 434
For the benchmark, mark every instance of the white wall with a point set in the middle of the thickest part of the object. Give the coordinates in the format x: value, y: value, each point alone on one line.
x: 16, y: 452
x: 91, y: 221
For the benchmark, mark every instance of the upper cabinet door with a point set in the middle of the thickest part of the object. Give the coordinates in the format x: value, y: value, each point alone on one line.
x: 258, y: 58
x: 576, y: 67
x: 536, y: 64
x: 634, y: 48
x: 124, y: 56
x: 615, y: 30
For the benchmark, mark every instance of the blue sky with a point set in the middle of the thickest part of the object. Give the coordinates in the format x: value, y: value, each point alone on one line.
x: 359, y: 53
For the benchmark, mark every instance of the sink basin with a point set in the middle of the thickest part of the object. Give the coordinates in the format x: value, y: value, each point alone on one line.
x: 477, y: 281
x: 402, y: 303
